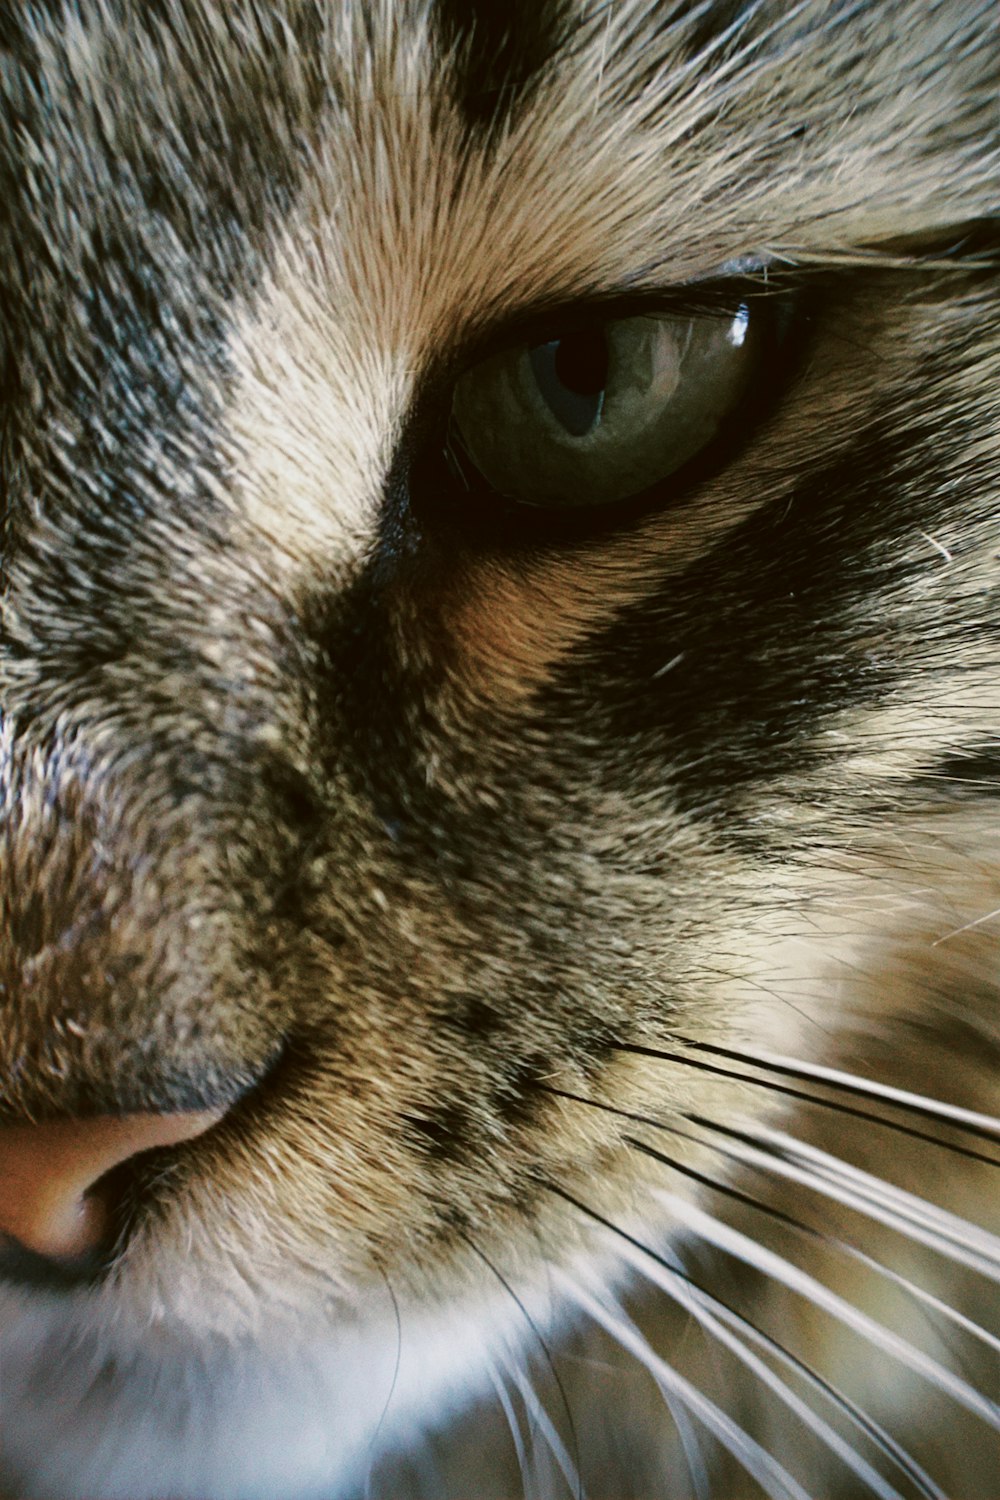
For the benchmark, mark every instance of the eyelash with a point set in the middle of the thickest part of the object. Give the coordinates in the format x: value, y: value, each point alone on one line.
x: 708, y: 298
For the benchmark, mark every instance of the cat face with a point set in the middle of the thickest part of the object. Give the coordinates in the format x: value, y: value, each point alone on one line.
x: 493, y: 516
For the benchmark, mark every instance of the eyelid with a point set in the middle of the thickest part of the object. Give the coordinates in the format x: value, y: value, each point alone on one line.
x: 717, y: 294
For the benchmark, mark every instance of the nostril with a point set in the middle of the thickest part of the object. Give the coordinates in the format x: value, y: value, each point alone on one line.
x: 47, y: 1172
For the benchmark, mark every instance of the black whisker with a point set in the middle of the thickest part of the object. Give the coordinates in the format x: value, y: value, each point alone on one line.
x: 805, y: 1096
x: 985, y: 1127
x: 760, y: 1205
x: 549, y: 1360
x: 395, y: 1376
x: 726, y: 1189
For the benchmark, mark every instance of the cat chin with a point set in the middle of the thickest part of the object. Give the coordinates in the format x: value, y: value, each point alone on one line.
x: 182, y: 1376
x: 105, y: 1397
x: 99, y: 1409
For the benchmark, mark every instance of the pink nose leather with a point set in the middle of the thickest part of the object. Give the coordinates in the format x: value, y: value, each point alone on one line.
x: 47, y: 1171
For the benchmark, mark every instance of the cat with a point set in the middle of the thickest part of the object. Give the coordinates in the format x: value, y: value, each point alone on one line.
x: 498, y: 753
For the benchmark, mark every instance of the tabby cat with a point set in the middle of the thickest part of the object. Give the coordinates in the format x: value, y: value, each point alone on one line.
x: 499, y: 760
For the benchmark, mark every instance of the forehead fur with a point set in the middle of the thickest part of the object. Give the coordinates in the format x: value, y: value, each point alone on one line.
x: 370, y: 231
x: 669, y: 151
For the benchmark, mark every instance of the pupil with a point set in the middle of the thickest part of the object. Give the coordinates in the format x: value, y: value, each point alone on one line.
x: 571, y: 375
x: 581, y: 362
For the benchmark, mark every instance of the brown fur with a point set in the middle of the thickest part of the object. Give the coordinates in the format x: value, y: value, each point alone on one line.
x: 399, y: 835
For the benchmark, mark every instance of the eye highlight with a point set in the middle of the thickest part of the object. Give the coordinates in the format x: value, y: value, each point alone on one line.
x: 602, y: 411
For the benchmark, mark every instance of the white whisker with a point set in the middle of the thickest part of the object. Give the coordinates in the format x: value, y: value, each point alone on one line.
x: 855, y: 1083
x: 772, y: 1476
x: 815, y: 1292
x: 690, y: 1446
x: 712, y: 1315
x: 919, y: 1220
x: 514, y: 1425
x: 541, y: 1420
x: 956, y: 1237
x: 745, y: 1154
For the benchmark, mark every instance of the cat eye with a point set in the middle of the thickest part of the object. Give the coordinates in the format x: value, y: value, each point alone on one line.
x: 601, y: 411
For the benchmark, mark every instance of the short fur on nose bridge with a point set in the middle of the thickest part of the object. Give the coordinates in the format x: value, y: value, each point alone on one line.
x: 46, y: 1171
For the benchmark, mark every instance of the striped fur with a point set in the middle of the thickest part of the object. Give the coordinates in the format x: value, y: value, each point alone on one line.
x: 412, y: 830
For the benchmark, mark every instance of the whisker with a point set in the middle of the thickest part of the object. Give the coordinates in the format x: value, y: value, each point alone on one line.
x: 986, y: 1127
x: 845, y: 1247
x: 800, y: 1282
x: 392, y: 1384
x: 540, y: 1418
x: 690, y: 1446
x: 789, y: 1221
x: 917, y: 1218
x: 872, y: 1429
x: 805, y: 1096
x: 671, y: 1128
x: 684, y: 1289
x: 771, y: 1475
x: 716, y: 1325
x: 498, y: 1274
x: 514, y: 1425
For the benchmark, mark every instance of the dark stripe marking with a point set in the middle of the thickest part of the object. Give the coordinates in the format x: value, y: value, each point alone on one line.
x: 971, y: 775
x: 774, y: 633
x: 497, y: 53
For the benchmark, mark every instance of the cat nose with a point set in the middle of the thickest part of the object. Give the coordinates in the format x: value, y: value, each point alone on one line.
x: 49, y: 1173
